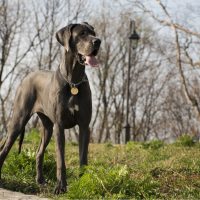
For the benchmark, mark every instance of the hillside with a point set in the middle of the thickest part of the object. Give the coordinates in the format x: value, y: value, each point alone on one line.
x: 151, y: 170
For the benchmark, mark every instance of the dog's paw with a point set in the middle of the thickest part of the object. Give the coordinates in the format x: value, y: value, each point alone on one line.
x: 60, y: 188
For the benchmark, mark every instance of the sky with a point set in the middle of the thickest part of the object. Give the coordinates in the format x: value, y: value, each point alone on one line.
x: 185, y: 12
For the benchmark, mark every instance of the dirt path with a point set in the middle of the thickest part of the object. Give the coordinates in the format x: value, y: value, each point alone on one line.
x: 10, y: 195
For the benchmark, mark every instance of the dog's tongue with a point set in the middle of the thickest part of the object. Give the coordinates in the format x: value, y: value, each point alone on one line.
x: 92, y: 61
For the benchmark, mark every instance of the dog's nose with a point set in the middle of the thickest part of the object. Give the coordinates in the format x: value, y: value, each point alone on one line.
x: 96, y: 42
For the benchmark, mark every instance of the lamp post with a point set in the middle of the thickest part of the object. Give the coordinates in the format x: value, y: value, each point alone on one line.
x: 133, y: 43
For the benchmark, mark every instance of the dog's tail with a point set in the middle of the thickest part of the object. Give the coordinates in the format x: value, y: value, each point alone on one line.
x: 21, y: 139
x: 3, y: 142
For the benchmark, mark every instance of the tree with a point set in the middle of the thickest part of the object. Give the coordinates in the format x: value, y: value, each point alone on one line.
x: 12, y: 20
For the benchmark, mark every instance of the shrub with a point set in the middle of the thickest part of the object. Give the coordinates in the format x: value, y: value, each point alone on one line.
x: 108, y: 145
x: 111, y: 183
x: 185, y: 140
x: 19, y: 170
x: 20, y: 165
x: 101, y: 182
x: 154, y: 144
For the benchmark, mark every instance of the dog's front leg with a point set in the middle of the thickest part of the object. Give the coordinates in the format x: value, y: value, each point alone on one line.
x: 84, y: 138
x: 60, y: 159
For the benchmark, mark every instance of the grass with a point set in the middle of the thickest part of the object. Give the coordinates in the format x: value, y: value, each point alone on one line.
x: 152, y: 170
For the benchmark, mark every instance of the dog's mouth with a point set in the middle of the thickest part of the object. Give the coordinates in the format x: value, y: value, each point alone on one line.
x: 90, y: 59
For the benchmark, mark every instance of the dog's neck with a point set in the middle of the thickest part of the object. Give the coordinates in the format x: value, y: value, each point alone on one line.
x: 71, y: 70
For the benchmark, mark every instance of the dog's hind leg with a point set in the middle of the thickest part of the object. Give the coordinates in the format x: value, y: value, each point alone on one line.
x: 46, y: 136
x: 22, y: 109
x: 14, y: 130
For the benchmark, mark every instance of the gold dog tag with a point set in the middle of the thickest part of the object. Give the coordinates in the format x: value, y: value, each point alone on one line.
x: 74, y: 90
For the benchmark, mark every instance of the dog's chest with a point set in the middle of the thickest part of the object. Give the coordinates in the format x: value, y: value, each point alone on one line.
x: 73, y: 105
x: 66, y: 110
x: 71, y: 109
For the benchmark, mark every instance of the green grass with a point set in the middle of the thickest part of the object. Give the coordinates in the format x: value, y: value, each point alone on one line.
x: 151, y: 170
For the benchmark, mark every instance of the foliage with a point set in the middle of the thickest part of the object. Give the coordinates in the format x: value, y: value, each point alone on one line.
x: 150, y: 170
x: 154, y: 144
x: 113, y: 182
x: 185, y: 140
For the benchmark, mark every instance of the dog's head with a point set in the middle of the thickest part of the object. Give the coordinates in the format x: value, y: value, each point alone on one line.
x: 81, y: 40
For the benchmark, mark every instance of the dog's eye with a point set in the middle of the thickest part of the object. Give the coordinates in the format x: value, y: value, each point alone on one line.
x: 83, y: 33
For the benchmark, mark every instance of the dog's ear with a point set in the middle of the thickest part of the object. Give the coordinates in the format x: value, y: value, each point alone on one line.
x: 59, y: 36
x: 64, y: 34
x: 88, y: 25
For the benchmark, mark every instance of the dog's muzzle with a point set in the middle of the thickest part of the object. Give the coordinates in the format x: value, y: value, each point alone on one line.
x: 91, y: 58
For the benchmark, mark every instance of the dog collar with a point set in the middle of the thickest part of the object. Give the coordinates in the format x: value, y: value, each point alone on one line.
x: 77, y: 84
x: 74, y: 86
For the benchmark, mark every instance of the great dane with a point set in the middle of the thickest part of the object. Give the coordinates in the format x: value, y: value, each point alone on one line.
x: 62, y: 99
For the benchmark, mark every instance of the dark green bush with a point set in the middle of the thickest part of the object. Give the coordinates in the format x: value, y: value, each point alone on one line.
x: 108, y: 144
x: 185, y: 140
x: 154, y: 144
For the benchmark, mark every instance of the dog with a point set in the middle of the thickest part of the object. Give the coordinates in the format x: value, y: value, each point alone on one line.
x: 61, y: 99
